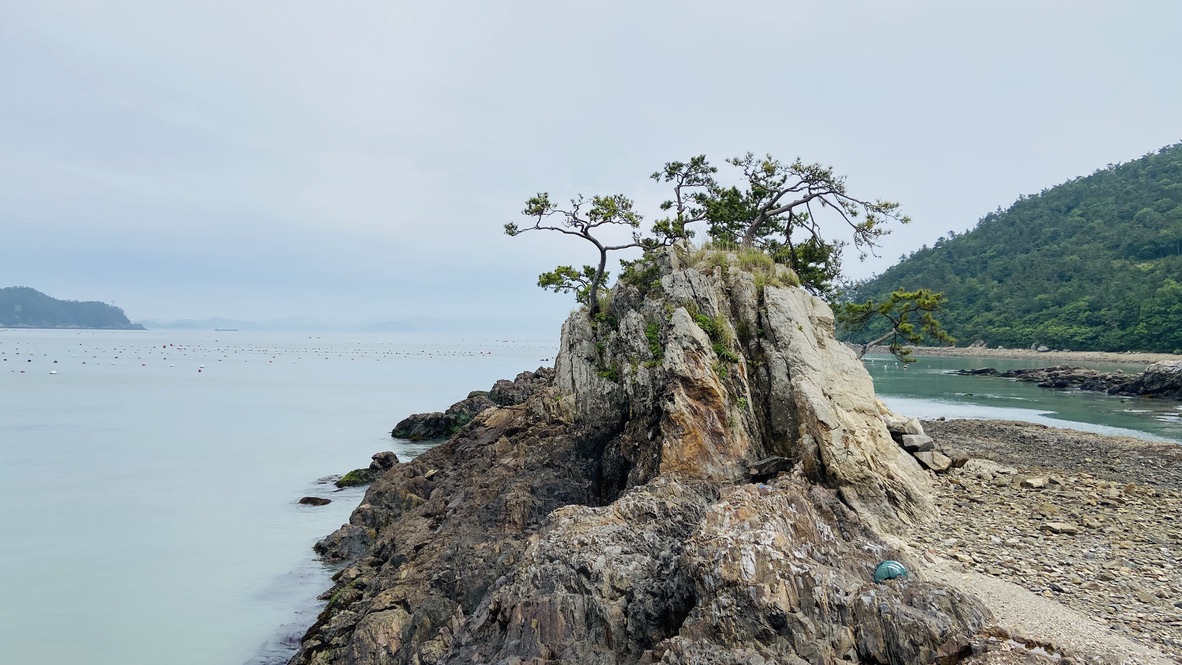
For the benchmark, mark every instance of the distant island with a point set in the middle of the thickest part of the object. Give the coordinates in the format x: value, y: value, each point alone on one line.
x: 24, y: 307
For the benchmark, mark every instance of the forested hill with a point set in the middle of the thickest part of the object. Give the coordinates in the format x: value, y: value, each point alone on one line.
x: 1092, y: 264
x: 22, y: 307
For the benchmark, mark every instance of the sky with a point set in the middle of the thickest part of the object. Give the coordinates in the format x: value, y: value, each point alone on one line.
x: 357, y: 161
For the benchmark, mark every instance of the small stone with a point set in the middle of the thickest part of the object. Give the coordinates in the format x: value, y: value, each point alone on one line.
x: 1048, y: 509
x: 1064, y: 528
x: 314, y: 501
x: 1034, y: 483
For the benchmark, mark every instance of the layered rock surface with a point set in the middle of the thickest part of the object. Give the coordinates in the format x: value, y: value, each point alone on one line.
x: 611, y: 517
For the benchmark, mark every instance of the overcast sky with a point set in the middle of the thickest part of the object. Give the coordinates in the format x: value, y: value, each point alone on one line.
x: 357, y: 160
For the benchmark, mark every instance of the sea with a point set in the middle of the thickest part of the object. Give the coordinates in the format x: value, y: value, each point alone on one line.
x: 149, y: 480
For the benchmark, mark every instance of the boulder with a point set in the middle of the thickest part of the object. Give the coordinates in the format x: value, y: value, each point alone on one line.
x: 915, y: 443
x: 1034, y: 482
x: 314, y: 501
x: 441, y: 425
x: 1161, y: 379
x: 934, y: 460
x: 383, y: 461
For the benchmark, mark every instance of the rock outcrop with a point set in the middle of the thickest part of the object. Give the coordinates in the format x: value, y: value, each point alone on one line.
x: 1161, y: 380
x: 444, y: 424
x: 706, y: 477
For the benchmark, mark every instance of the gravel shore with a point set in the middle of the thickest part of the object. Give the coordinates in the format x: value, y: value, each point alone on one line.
x: 1051, y: 357
x: 1086, y: 521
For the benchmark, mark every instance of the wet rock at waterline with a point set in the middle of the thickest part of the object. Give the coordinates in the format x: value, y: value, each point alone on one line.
x: 1160, y: 380
x: 441, y: 425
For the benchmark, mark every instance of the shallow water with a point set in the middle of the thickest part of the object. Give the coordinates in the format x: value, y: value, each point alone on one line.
x: 148, y: 488
x: 929, y: 389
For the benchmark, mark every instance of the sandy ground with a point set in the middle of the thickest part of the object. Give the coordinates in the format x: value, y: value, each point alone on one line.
x: 1052, y: 357
x: 1028, y: 614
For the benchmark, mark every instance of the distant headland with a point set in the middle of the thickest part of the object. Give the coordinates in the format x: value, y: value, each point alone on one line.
x: 24, y: 307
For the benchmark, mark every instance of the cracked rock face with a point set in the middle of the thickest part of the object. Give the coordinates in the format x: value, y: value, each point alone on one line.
x: 610, y: 518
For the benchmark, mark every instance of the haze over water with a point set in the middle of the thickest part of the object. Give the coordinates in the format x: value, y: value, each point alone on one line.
x: 148, y: 509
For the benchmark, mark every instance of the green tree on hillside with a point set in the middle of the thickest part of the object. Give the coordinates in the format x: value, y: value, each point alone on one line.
x: 1085, y: 265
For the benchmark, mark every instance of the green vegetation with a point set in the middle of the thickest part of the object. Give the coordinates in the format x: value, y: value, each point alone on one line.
x: 23, y: 307
x: 1092, y: 264
x: 769, y: 210
x: 897, y: 311
x: 356, y: 477
x: 652, y: 333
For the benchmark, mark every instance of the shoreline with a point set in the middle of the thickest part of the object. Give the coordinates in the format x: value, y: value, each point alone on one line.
x: 1128, y: 357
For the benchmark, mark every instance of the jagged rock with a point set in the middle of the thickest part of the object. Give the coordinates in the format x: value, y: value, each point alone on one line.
x: 1161, y: 379
x: 913, y: 427
x: 1034, y: 482
x: 383, y: 461
x: 511, y: 393
x: 440, y: 425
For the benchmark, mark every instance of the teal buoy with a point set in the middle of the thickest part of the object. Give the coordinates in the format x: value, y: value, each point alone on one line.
x: 889, y: 570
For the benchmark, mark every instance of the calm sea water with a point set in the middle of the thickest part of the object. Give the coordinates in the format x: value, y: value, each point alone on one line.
x: 148, y: 480
x: 927, y: 389
x: 148, y: 488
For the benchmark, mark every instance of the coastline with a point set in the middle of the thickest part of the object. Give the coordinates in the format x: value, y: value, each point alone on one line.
x: 1052, y: 357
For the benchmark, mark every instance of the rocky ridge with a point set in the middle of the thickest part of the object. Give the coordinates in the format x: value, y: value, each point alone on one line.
x: 707, y: 478
x: 1160, y: 380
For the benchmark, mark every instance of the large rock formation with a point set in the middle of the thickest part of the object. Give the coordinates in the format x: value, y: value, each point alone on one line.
x: 611, y: 517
